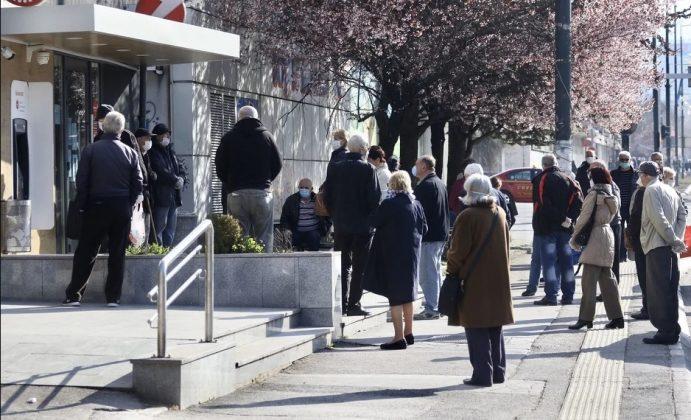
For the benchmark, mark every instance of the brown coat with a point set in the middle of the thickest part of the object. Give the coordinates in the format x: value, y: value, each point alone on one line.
x: 487, y: 300
x: 600, y: 248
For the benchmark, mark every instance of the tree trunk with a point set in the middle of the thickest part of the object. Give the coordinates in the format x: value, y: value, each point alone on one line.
x: 388, y: 128
x: 460, y: 149
x: 410, y: 134
x: 438, y: 140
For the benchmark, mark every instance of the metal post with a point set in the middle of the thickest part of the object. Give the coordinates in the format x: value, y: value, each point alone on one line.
x: 668, y: 97
x: 656, y: 104
x: 676, y: 99
x: 142, y: 95
x: 209, y: 283
x: 161, y: 303
x: 683, y: 139
x: 562, y: 85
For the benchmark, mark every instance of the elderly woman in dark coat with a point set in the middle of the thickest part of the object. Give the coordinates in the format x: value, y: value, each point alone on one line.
x: 486, y: 305
x: 395, y: 255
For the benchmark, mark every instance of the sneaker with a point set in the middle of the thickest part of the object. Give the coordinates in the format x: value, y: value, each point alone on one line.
x: 113, y: 304
x: 528, y: 293
x: 71, y: 302
x: 426, y: 315
x: 545, y: 302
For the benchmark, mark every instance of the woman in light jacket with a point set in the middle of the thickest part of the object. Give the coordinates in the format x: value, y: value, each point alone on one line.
x: 486, y: 305
x: 377, y: 158
x: 597, y: 256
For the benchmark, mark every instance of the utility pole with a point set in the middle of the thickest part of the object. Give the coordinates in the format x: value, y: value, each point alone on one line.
x: 668, y: 97
x: 656, y: 104
x: 562, y: 86
x: 676, y: 98
x: 683, y: 139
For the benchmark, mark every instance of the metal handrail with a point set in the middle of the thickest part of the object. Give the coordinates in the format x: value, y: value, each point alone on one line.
x: 205, y: 228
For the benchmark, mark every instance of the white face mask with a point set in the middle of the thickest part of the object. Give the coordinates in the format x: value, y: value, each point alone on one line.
x: 590, y: 159
x: 414, y: 171
x: 336, y: 144
x: 639, y: 182
x: 592, y: 184
x: 165, y: 142
x: 670, y: 182
x: 147, y: 146
x: 100, y: 125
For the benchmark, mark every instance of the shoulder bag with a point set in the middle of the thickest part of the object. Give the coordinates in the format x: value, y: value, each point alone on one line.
x: 583, y: 236
x: 451, y: 293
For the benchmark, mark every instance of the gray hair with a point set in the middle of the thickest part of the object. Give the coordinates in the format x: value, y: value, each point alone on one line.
x: 247, y: 111
x: 357, y: 143
x: 625, y: 153
x: 473, y: 169
x: 549, y: 160
x: 667, y: 171
x: 429, y: 161
x: 478, y: 188
x: 114, y: 123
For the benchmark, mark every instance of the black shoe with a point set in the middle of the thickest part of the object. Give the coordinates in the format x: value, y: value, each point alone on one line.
x: 356, y: 311
x: 496, y: 380
x: 528, y: 293
x: 615, y: 323
x: 580, y: 324
x: 473, y: 382
x: 599, y: 298
x: 396, y: 345
x: 410, y: 339
x: 640, y: 315
x: 566, y: 301
x: 542, y: 279
x: 545, y: 302
x: 71, y: 302
x: 656, y: 339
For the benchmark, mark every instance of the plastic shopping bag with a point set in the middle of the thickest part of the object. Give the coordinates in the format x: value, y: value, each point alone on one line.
x: 687, y: 241
x: 138, y: 227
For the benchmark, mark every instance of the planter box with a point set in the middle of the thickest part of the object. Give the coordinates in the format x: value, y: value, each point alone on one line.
x: 306, y: 280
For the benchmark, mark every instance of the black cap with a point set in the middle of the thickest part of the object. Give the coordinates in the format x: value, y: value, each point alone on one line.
x: 649, y: 168
x: 103, y: 110
x: 142, y: 132
x: 160, y: 129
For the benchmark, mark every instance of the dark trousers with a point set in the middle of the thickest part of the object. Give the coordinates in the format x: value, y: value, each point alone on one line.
x: 102, y: 217
x: 622, y: 244
x: 641, y: 271
x: 616, y: 229
x: 662, y: 285
x: 306, y: 241
x: 487, y: 354
x: 354, y: 251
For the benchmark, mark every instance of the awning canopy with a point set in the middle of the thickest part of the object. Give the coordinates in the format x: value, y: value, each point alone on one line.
x: 116, y: 35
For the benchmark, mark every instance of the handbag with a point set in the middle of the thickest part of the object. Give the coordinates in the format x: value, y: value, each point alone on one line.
x: 320, y: 205
x: 451, y: 293
x: 583, y: 236
x: 73, y: 225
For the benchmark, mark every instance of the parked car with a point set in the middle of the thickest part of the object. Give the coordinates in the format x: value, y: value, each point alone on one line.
x: 517, y: 183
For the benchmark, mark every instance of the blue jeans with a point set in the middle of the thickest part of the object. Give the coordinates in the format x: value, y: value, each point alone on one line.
x: 535, y: 264
x: 555, y: 253
x: 165, y: 221
x: 429, y: 273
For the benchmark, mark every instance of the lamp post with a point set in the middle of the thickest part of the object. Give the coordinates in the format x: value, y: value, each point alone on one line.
x: 562, y: 86
x: 656, y: 104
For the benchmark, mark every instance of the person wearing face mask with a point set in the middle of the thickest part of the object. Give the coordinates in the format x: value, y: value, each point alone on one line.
x: 582, y: 172
x: 616, y: 221
x: 663, y: 222
x: 338, y: 144
x: 167, y: 180
x: 377, y: 158
x: 633, y: 242
x: 351, y: 194
x: 299, y: 217
x: 669, y: 177
x: 626, y: 178
x: 658, y: 158
x: 145, y: 143
x: 126, y: 136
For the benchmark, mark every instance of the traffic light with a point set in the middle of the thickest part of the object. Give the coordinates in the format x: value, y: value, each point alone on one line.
x: 664, y: 131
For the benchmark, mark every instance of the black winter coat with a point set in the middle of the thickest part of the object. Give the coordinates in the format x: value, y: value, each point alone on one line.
x: 338, y: 155
x: 626, y: 180
x: 552, y: 202
x: 633, y: 229
x: 352, y: 193
x: 431, y: 193
x: 392, y: 266
x: 248, y: 157
x: 582, y: 177
x: 165, y: 166
x: 290, y: 215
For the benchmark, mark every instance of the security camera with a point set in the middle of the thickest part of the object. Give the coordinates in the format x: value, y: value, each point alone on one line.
x: 8, y: 53
x: 42, y: 57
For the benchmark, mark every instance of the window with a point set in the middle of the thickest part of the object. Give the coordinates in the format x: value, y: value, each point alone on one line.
x: 524, y: 175
x: 222, y: 106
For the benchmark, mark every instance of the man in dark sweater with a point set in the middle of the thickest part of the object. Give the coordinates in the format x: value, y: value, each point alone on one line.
x: 626, y: 178
x: 582, y: 172
x: 352, y: 193
x: 247, y: 161
x: 431, y: 193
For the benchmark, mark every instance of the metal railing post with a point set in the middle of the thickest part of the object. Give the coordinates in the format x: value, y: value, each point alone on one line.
x: 209, y: 283
x: 162, y: 298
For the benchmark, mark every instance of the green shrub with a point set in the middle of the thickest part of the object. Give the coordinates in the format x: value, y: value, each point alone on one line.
x: 229, y: 238
x: 151, y: 249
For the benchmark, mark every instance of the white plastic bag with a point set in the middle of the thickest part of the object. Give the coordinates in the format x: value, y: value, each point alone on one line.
x: 137, y: 228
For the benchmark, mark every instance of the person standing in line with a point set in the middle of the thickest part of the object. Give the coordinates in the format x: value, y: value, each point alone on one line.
x: 377, y: 158
x: 552, y: 220
x: 633, y: 234
x: 626, y: 178
x: 431, y: 192
x: 247, y: 160
x: 663, y: 223
x: 481, y: 235
x: 457, y: 191
x: 299, y: 216
x: 109, y: 184
x: 145, y: 144
x: 393, y: 163
x: 510, y: 204
x: 598, y: 254
x: 476, y: 168
x: 352, y: 193
x: 582, y: 172
x: 167, y: 182
x: 659, y: 159
x: 393, y: 263
x: 616, y: 222
x: 340, y: 140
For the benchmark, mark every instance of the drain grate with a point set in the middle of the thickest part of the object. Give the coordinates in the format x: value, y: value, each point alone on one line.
x: 448, y: 338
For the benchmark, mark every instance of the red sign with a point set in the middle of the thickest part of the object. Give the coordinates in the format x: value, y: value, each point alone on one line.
x: 25, y: 3
x: 165, y: 9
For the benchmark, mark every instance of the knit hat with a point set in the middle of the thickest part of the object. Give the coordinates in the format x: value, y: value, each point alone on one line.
x: 103, y: 110
x: 142, y: 132
x: 160, y: 129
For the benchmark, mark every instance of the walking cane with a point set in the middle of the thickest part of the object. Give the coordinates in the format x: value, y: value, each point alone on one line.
x: 151, y: 221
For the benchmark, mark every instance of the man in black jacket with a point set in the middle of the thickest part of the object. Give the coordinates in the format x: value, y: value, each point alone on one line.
x: 167, y: 180
x: 340, y: 140
x: 109, y: 183
x: 352, y: 193
x: 247, y: 161
x: 299, y: 216
x: 582, y: 172
x: 554, y: 196
x: 431, y: 192
x: 626, y: 178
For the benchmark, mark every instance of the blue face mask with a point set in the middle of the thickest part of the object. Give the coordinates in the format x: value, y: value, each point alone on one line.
x: 305, y: 192
x: 624, y: 165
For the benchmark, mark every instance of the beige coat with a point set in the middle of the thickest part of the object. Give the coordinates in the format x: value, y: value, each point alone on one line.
x: 663, y: 220
x: 487, y: 301
x: 600, y: 248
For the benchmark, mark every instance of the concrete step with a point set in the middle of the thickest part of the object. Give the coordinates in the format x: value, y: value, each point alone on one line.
x: 378, y: 307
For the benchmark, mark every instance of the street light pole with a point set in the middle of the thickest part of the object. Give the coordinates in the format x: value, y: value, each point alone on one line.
x: 668, y: 97
x: 656, y: 104
x: 676, y: 95
x: 562, y: 86
x: 683, y: 139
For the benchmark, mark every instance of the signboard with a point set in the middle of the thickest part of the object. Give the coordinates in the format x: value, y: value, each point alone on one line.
x: 25, y: 3
x: 165, y: 9
x: 20, y: 100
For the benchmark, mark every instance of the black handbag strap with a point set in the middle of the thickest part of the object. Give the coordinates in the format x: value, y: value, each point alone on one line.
x: 480, y: 250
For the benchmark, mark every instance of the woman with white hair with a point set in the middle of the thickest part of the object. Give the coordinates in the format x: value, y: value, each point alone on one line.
x: 394, y: 258
x: 479, y: 259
